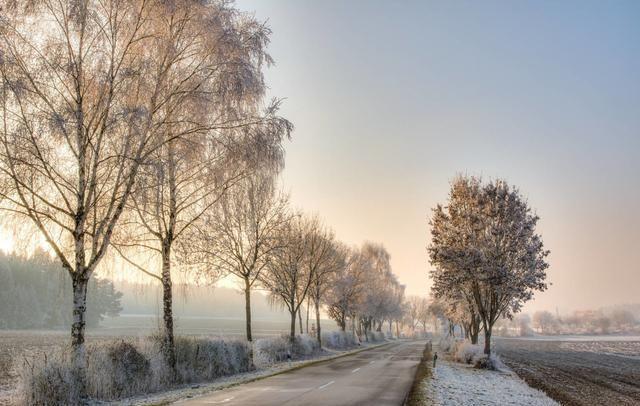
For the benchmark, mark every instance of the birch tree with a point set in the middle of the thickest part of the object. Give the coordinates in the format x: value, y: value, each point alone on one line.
x: 215, y: 134
x: 82, y: 92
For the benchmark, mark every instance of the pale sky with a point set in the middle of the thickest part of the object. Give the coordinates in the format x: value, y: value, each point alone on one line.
x: 391, y: 99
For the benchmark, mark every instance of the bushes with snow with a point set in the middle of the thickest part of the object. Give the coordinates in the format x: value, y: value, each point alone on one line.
x: 120, y: 369
x: 466, y: 352
x: 339, y: 340
x: 473, y: 354
x: 201, y: 359
x: 270, y: 350
x: 304, y: 345
x: 374, y: 336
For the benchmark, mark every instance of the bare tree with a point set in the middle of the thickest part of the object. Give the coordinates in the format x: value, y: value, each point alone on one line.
x: 544, y: 321
x: 239, y: 236
x: 380, y: 288
x: 413, y: 311
x: 287, y: 278
x: 347, y: 289
x: 214, y: 135
x: 323, y: 260
x: 423, y: 313
x: 83, y: 90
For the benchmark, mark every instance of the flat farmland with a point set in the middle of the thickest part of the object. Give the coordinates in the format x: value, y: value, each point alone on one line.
x: 16, y: 345
x: 579, y: 371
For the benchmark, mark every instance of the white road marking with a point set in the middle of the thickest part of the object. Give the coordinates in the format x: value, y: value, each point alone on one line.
x: 219, y: 401
x: 371, y: 362
x: 326, y: 384
x: 355, y: 370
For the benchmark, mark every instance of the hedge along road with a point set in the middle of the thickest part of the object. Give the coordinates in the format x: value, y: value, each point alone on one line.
x: 380, y: 376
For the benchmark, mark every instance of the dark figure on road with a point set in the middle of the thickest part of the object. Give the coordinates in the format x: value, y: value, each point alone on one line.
x: 435, y: 358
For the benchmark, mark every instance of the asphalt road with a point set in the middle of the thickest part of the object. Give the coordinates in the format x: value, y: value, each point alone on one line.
x: 380, y: 376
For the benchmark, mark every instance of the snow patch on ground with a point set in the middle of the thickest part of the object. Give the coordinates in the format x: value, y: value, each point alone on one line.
x: 459, y: 384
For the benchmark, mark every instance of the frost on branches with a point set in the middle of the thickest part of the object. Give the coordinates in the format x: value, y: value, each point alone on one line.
x: 485, y: 251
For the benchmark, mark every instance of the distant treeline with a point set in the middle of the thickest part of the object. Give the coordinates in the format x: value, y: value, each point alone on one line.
x: 622, y: 319
x: 36, y: 293
x: 196, y: 301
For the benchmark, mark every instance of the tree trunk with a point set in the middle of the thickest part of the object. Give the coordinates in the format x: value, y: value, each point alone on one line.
x: 292, y: 334
x: 397, y: 329
x: 474, y: 330
x: 308, y: 305
x: 487, y: 341
x: 247, y: 307
x: 300, y: 318
x: 80, y: 284
x: 167, y: 301
x: 317, y: 306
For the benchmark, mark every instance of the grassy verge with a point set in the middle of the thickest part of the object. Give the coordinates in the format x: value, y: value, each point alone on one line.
x: 417, y: 395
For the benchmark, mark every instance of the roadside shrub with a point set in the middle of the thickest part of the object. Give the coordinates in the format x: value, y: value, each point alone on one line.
x: 492, y: 363
x: 269, y: 350
x: 204, y: 359
x: 116, y: 370
x: 120, y: 369
x: 48, y: 380
x: 304, y: 345
x: 467, y: 353
x: 376, y: 336
x: 339, y: 340
x: 473, y: 354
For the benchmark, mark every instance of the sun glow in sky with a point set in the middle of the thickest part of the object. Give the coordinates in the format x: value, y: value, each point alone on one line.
x: 391, y: 99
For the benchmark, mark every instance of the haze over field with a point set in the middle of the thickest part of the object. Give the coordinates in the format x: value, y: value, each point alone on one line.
x: 390, y: 100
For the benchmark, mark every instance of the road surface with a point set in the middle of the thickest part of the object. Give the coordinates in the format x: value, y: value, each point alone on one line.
x: 380, y: 376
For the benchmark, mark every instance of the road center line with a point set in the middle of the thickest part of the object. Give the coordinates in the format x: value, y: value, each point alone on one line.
x: 326, y: 384
x: 355, y: 370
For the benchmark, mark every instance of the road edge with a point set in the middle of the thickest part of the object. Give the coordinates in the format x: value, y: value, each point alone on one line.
x: 177, y: 394
x: 416, y: 396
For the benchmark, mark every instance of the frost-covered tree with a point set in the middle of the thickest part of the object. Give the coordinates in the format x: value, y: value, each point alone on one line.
x: 347, y: 289
x: 84, y: 88
x: 324, y: 258
x: 214, y: 134
x: 413, y: 309
x: 485, y: 247
x: 286, y: 276
x: 239, y: 236
x: 381, y: 285
x: 544, y: 321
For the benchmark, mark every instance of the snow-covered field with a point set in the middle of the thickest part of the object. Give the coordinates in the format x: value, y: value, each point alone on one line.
x: 460, y: 384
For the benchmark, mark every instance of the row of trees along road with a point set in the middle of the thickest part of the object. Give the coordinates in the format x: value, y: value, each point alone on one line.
x: 487, y: 257
x: 139, y: 129
x: 122, y: 123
